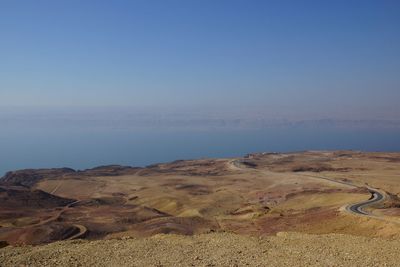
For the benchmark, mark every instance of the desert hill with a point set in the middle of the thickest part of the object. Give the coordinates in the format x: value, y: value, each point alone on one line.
x: 18, y: 197
x: 258, y: 195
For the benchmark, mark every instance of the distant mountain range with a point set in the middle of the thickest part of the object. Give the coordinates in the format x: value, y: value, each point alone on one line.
x: 176, y: 120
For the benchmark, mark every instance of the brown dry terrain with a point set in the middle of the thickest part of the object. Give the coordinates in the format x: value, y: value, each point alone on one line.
x: 258, y: 195
x: 215, y: 249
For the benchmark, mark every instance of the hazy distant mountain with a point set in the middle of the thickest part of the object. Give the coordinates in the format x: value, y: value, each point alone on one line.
x: 184, y: 119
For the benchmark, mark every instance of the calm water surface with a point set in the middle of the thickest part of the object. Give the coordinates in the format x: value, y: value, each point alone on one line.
x: 85, y: 148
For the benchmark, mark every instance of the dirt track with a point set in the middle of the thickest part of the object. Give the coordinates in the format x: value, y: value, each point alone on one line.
x: 300, y: 192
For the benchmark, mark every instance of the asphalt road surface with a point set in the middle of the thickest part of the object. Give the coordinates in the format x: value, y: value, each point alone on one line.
x: 359, y: 207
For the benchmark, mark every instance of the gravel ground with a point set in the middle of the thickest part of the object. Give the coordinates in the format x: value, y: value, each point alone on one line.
x: 216, y: 249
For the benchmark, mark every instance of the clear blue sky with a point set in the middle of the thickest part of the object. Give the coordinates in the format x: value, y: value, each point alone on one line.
x: 302, y: 55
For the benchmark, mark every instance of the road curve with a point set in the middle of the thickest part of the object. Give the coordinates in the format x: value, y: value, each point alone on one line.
x: 357, y: 208
x: 82, y: 231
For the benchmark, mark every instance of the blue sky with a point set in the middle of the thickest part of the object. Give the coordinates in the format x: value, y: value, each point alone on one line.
x: 310, y: 57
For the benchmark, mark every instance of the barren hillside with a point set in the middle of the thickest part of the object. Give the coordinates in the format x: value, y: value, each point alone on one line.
x: 218, y: 249
x: 258, y: 196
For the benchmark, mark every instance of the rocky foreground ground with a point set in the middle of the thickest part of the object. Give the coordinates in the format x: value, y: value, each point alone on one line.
x: 215, y: 249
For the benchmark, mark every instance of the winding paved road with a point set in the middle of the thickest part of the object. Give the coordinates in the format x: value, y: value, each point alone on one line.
x: 357, y: 208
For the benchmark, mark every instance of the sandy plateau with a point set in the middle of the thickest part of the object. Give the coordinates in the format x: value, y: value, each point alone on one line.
x: 263, y: 209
